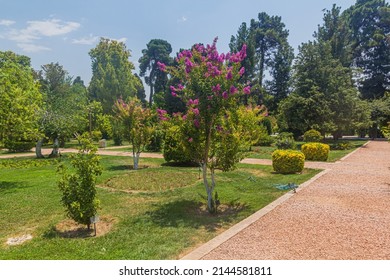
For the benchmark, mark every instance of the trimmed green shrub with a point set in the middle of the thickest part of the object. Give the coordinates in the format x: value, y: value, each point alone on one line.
x: 18, y: 146
x: 316, y: 151
x: 288, y: 161
x: 312, y: 135
x: 174, y: 149
x: 285, y: 141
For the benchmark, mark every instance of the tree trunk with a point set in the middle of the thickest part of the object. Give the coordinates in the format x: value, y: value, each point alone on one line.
x: 135, y: 160
x: 38, y: 149
x: 151, y: 95
x: 209, y: 189
x: 55, y: 152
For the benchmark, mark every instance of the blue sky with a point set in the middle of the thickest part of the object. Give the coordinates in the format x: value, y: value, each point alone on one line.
x: 64, y: 31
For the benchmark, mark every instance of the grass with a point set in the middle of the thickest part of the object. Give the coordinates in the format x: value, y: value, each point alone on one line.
x: 334, y: 155
x: 159, y: 211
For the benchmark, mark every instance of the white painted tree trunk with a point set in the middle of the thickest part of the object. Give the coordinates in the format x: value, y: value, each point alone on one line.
x: 135, y: 160
x: 209, y: 188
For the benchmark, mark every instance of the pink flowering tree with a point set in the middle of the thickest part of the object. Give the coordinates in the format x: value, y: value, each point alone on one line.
x: 138, y: 123
x: 210, y: 127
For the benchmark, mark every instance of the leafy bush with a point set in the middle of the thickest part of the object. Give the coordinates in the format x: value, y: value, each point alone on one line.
x: 18, y: 146
x: 96, y: 135
x: 117, y: 133
x: 156, y: 141
x: 288, y: 161
x: 266, y: 122
x: 386, y: 131
x: 174, y: 149
x: 285, y: 141
x: 342, y: 145
x: 265, y: 139
x: 312, y: 135
x: 316, y: 151
x: 78, y: 189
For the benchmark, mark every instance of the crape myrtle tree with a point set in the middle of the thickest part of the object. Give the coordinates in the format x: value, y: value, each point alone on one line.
x: 210, y: 128
x: 138, y: 125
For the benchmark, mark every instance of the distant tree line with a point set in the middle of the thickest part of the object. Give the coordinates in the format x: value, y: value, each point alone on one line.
x: 338, y: 83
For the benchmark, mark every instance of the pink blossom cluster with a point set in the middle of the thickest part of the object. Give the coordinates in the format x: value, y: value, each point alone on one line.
x: 161, y: 66
x: 162, y: 115
x: 175, y: 90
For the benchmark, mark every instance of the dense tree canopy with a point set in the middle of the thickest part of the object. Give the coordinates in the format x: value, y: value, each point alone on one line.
x: 20, y: 100
x: 269, y: 55
x: 369, y: 21
x: 157, y: 50
x: 112, y: 76
x: 340, y: 80
x: 64, y: 111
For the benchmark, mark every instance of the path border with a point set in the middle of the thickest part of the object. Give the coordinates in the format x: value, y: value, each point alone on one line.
x: 206, y: 248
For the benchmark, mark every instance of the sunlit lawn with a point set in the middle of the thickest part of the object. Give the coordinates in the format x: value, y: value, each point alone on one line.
x: 156, y: 212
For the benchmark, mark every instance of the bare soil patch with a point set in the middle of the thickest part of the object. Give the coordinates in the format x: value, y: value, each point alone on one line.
x: 70, y: 229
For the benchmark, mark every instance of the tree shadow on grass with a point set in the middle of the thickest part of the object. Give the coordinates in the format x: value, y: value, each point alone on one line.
x: 187, y: 213
x: 180, y: 164
x: 125, y: 167
x: 53, y: 232
x: 11, y: 187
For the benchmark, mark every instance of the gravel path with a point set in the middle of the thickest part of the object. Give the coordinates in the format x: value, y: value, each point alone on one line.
x: 342, y: 215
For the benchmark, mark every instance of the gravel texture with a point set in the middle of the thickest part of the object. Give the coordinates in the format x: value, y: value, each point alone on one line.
x: 342, y: 215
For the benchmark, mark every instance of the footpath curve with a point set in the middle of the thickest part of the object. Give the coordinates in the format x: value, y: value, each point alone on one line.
x: 342, y: 213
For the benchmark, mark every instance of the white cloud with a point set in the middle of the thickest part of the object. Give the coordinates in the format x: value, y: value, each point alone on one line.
x: 89, y: 40
x: 32, y: 47
x: 37, y: 29
x: 182, y: 19
x: 27, y: 37
x: 52, y: 27
x: 6, y: 22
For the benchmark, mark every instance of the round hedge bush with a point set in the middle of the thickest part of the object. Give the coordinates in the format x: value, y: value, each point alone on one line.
x: 173, y: 148
x: 288, y: 161
x: 316, y: 151
x: 312, y: 135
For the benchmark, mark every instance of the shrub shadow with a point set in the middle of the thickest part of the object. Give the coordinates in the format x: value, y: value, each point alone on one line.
x: 53, y: 232
x: 11, y: 187
x: 194, y: 214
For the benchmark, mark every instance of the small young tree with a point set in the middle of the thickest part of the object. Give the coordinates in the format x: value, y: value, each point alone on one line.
x: 78, y: 189
x: 138, y: 125
x: 211, y: 130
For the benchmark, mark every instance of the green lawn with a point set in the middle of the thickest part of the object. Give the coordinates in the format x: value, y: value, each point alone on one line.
x: 156, y: 212
x: 334, y: 155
